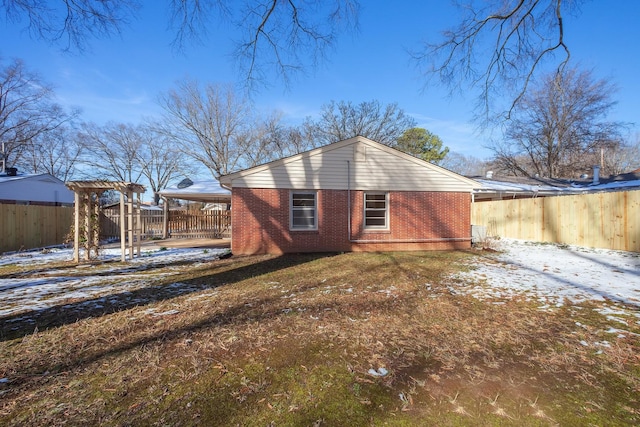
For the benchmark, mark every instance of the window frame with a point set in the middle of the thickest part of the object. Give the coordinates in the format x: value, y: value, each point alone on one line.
x: 313, y: 209
x: 365, y: 210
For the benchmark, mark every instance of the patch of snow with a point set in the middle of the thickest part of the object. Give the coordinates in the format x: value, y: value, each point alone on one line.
x: 380, y: 372
x: 88, y: 285
x: 621, y: 333
x: 553, y: 274
x: 166, y: 313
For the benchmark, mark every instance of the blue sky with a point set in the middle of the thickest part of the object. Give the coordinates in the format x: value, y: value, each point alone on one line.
x: 121, y: 78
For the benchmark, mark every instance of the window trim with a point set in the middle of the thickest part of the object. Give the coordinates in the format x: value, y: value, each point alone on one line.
x: 303, y: 208
x: 386, y: 211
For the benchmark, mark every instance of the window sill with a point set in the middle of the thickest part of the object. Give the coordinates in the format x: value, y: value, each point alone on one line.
x: 376, y: 231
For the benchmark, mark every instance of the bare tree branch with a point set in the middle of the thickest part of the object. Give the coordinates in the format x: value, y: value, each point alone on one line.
x: 522, y: 34
x: 280, y: 35
x: 75, y: 21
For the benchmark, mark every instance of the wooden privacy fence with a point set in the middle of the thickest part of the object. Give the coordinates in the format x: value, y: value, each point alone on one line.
x: 181, y: 223
x: 601, y: 220
x: 25, y: 227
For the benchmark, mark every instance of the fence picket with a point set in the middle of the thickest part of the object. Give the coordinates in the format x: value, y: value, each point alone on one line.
x: 25, y: 227
x: 601, y: 220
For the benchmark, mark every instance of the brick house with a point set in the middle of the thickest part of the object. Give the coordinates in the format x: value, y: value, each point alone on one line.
x: 352, y: 195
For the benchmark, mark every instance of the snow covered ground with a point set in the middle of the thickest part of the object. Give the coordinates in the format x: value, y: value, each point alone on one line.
x: 553, y: 275
x: 45, y: 287
x: 549, y: 274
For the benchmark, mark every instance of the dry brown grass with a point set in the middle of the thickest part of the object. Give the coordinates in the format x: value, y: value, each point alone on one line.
x: 290, y: 340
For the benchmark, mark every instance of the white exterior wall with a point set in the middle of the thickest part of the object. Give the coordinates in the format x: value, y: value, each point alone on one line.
x: 35, y: 188
x: 372, y: 167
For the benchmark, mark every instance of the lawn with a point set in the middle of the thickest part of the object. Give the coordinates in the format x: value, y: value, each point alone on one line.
x: 312, y: 340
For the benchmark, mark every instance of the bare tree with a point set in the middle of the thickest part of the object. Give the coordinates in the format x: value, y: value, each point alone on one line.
x: 112, y: 151
x: 463, y: 164
x: 216, y: 127
x: 344, y: 120
x: 558, y: 127
x: 498, y: 46
x: 622, y: 159
x: 289, y: 140
x: 161, y: 160
x: 57, y: 153
x: 27, y: 110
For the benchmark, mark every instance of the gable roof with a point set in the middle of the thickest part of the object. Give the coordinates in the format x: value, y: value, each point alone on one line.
x: 39, y: 177
x: 357, y: 163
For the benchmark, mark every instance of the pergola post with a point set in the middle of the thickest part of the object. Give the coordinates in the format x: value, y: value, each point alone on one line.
x: 130, y: 224
x: 76, y: 228
x: 123, y: 229
x: 138, y: 225
x: 96, y: 222
x: 88, y: 226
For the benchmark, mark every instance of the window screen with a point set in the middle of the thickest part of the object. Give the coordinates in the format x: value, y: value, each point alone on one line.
x: 303, y: 211
x: 375, y: 210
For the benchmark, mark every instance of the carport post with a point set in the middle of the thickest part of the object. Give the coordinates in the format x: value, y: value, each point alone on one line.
x: 165, y: 218
x: 138, y: 224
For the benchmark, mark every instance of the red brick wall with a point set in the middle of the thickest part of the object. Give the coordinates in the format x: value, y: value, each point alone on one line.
x: 260, y: 222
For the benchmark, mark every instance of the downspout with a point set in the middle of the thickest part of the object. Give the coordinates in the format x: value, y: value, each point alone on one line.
x: 440, y: 239
x: 349, y: 200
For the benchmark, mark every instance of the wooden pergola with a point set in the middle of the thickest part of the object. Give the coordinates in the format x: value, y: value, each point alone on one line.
x: 87, y: 216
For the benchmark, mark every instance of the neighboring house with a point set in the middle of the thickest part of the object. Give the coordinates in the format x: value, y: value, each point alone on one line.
x: 510, y: 187
x: 352, y: 195
x: 34, y: 189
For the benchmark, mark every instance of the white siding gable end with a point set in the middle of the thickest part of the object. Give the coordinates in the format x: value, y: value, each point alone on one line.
x: 357, y: 163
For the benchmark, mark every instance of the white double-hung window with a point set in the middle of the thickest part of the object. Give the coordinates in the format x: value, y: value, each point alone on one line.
x: 304, y: 210
x: 376, y: 211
